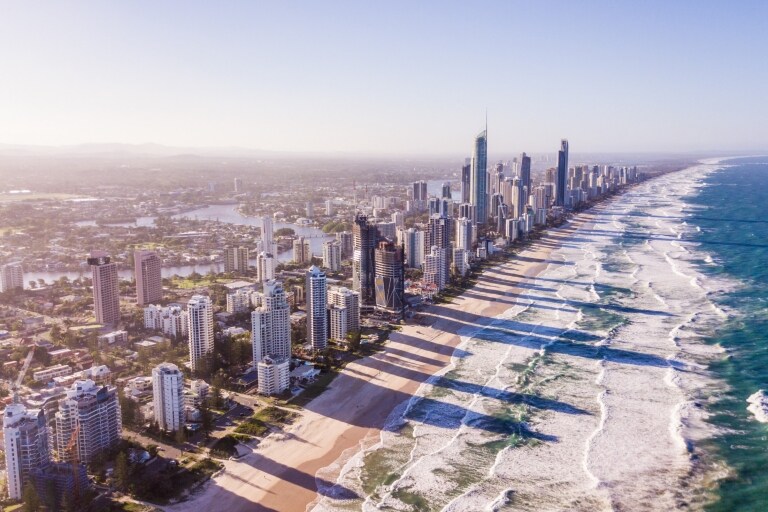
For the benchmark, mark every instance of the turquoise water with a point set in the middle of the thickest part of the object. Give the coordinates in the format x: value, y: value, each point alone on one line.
x: 733, y: 217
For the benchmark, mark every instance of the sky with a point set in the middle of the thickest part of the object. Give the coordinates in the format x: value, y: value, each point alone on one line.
x: 394, y: 77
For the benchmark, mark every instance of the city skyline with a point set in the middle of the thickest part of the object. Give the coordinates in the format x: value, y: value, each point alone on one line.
x: 612, y: 74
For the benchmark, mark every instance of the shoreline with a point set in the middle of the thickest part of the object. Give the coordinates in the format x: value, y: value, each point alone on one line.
x: 280, y: 474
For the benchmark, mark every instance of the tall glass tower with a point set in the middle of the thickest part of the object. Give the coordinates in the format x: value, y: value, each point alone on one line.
x: 478, y: 193
x: 562, y: 173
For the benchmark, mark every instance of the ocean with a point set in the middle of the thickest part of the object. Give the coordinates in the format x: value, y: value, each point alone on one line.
x: 601, y: 384
x: 734, y: 231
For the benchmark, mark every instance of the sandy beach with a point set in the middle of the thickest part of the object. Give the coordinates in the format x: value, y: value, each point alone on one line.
x: 280, y: 474
x: 593, y: 346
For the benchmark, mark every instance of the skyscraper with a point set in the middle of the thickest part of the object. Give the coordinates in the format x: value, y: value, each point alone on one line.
x: 436, y: 269
x: 413, y: 244
x: 464, y: 237
x: 390, y: 275
x: 11, y: 277
x: 446, y: 191
x: 365, y: 236
x: 106, y: 293
x: 267, y: 234
x: 168, y: 396
x: 149, y: 281
x: 96, y: 411
x: 317, y: 302
x: 562, y: 173
x: 26, y: 446
x: 478, y: 193
x: 271, y: 325
x: 466, y: 180
x: 200, y: 331
x: 525, y: 172
x: 439, y: 232
x: 346, y: 240
x: 236, y: 260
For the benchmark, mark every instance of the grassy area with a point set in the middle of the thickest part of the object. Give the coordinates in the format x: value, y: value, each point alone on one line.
x: 186, y: 283
x: 316, y: 388
x: 167, y: 485
x: 224, y: 447
x: 260, y: 423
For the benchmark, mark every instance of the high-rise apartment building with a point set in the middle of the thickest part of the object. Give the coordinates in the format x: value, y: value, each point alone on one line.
x: 562, y: 173
x: 413, y: 245
x: 439, y: 232
x: 200, y: 331
x: 464, y: 231
x: 168, y: 396
x: 332, y: 255
x: 301, y: 250
x: 466, y: 180
x: 149, y: 280
x: 317, y: 303
x: 342, y: 297
x: 94, y: 412
x: 436, y: 267
x: 267, y: 234
x: 346, y: 240
x: 265, y: 266
x: 271, y: 325
x: 236, y: 260
x: 478, y: 193
x: 26, y: 446
x: 11, y: 277
x: 273, y: 375
x: 390, y: 277
x: 106, y: 292
x: 525, y: 172
x: 365, y: 237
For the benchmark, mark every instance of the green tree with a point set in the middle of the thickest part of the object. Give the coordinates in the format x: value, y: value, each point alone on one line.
x: 30, y: 498
x: 206, y: 419
x: 122, y: 472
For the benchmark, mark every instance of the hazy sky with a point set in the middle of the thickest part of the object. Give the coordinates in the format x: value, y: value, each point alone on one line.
x: 387, y: 77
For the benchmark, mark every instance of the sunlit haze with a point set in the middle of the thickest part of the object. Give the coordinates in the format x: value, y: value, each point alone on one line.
x: 386, y: 77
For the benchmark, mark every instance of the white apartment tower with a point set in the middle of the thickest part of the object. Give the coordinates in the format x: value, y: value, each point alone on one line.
x: 267, y: 234
x: 317, y: 303
x: 96, y: 411
x: 236, y: 260
x: 332, y: 255
x: 200, y: 331
x: 11, y: 277
x: 265, y: 266
x: 168, y: 396
x: 26, y: 446
x: 149, y: 281
x: 342, y: 297
x: 274, y: 375
x: 271, y: 325
x: 106, y: 293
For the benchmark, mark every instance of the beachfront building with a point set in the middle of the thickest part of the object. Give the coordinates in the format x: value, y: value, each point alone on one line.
x: 11, y: 277
x: 26, y: 446
x: 200, y: 331
x: 365, y: 237
x: 436, y: 267
x: 94, y: 413
x: 317, y: 316
x: 271, y: 325
x: 172, y: 320
x: 390, y: 277
x: 478, y: 193
x: 342, y: 297
x: 236, y: 260
x: 274, y: 375
x: 562, y: 173
x: 168, y: 396
x: 106, y: 293
x: 332, y: 255
x: 464, y: 234
x: 147, y: 268
x: 338, y: 319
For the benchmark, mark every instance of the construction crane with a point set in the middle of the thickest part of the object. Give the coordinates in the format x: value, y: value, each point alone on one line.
x: 75, y: 456
x: 23, y: 371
